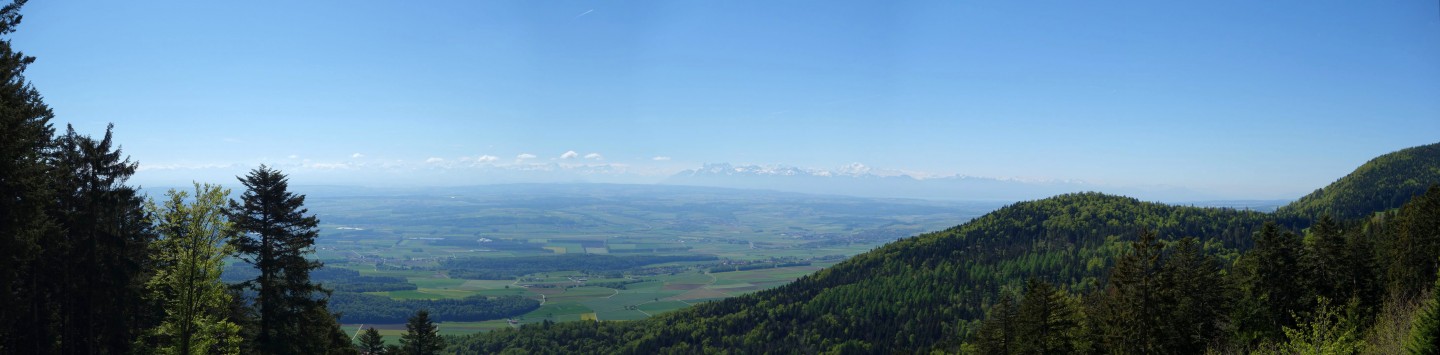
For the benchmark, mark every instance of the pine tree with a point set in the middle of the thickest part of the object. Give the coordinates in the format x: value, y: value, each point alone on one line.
x: 191, y: 256
x: 421, y: 337
x: 1192, y: 280
x: 1134, y: 314
x: 1047, y: 320
x: 1417, y: 243
x: 371, y: 343
x: 997, y: 333
x: 1425, y: 329
x: 1276, y: 281
x: 1325, y: 259
x: 102, y: 262
x: 277, y: 237
x: 26, y: 324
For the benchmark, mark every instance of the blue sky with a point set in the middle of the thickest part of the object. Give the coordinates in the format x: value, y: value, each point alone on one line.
x: 1246, y: 99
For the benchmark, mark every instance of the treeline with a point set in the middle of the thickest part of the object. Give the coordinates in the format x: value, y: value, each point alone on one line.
x: 1197, y: 279
x: 336, y: 279
x: 1341, y: 288
x: 513, y: 267
x: 363, y: 308
x: 1380, y: 184
x: 757, y: 266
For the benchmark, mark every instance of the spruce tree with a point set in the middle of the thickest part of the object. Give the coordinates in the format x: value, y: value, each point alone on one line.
x: 101, y: 264
x: 1425, y: 329
x: 371, y: 343
x: 1134, y: 314
x: 1276, y: 281
x: 421, y: 337
x: 1192, y: 281
x: 277, y: 238
x: 1048, y: 320
x: 1417, y: 243
x: 1325, y: 259
x: 25, y: 195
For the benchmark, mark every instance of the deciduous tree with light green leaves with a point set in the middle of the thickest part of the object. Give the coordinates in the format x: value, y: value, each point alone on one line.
x: 191, y: 252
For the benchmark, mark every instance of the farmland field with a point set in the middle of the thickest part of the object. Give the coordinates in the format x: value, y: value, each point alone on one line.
x: 643, y: 249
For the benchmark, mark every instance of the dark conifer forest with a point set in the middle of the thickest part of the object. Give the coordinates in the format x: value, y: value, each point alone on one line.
x: 90, y: 266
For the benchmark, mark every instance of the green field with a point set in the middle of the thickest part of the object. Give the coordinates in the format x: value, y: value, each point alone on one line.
x: 389, y: 233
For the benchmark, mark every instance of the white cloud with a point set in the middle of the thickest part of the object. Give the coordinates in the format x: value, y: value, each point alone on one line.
x: 595, y: 156
x: 524, y: 156
x: 569, y: 155
x: 293, y: 156
x: 434, y: 160
x: 660, y: 158
x: 328, y: 166
x: 357, y: 155
x: 487, y: 158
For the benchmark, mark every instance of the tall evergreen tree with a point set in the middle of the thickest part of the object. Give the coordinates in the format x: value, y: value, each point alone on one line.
x: 1134, y: 314
x: 103, y: 258
x: 1425, y: 329
x: 1325, y: 259
x: 277, y: 238
x: 1192, y: 281
x: 371, y: 342
x: 1275, y: 281
x: 1048, y: 320
x: 421, y: 337
x: 190, y: 257
x: 26, y: 322
x: 1416, y: 244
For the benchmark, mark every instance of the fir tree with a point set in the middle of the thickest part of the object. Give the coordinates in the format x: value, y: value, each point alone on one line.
x: 421, y: 337
x: 371, y: 343
x: 277, y: 239
x: 102, y: 262
x: 1276, y: 281
x: 1191, y: 279
x: 25, y: 195
x: 1134, y: 315
x: 1425, y: 329
x: 1047, y: 320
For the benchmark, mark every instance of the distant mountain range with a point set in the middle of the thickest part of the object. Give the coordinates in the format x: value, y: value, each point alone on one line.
x: 860, y: 180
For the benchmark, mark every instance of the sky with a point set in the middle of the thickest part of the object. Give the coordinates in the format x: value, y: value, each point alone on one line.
x: 1245, y: 99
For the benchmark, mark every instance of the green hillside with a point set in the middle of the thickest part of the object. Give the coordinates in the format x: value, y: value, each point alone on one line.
x: 1381, y: 184
x: 932, y: 291
x: 919, y: 292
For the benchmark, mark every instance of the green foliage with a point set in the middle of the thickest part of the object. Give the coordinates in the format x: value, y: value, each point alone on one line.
x: 363, y: 308
x: 190, y: 255
x: 421, y: 337
x: 25, y: 195
x: 276, y: 238
x: 371, y: 343
x: 1273, y: 283
x: 1328, y: 331
x: 997, y: 335
x: 1383, y: 183
x: 1416, y: 246
x: 930, y: 291
x: 1425, y: 330
x: 1048, y: 320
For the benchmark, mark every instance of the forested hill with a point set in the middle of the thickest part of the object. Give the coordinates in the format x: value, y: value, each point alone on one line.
x: 932, y: 291
x: 1381, y: 184
x: 913, y: 294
